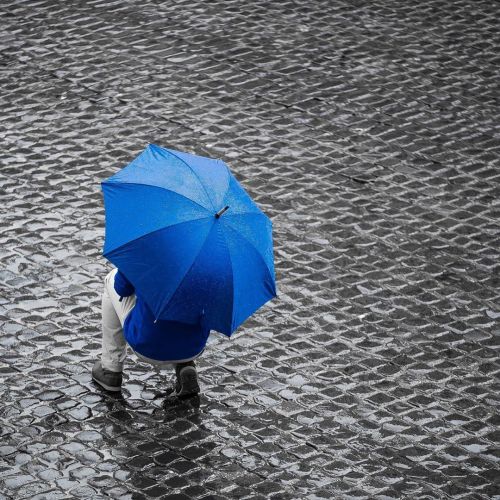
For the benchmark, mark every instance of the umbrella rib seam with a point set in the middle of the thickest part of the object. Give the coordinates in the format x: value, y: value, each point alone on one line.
x: 256, y: 250
x: 195, y: 174
x: 233, y: 326
x: 265, y: 265
x: 229, y: 176
x: 165, y: 305
x: 233, y: 214
x: 232, y: 282
x: 158, y: 187
x: 155, y: 231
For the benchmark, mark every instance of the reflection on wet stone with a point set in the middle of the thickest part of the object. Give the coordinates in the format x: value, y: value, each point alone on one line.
x: 375, y: 373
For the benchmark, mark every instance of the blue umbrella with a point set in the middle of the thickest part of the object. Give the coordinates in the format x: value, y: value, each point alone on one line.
x: 189, y: 238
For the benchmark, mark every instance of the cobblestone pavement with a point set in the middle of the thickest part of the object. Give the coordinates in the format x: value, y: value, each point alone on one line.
x: 369, y: 132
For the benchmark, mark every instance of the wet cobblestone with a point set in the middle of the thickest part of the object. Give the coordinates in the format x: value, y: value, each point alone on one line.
x: 369, y: 132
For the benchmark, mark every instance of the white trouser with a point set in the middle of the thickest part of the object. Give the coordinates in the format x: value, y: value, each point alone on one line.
x: 114, y: 345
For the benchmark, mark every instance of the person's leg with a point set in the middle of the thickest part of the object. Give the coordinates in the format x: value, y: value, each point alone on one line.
x: 186, y: 380
x: 186, y: 376
x: 108, y: 371
x: 114, y: 346
x: 121, y: 305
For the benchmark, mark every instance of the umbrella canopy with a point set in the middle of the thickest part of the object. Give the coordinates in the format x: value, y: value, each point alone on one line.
x: 189, y: 238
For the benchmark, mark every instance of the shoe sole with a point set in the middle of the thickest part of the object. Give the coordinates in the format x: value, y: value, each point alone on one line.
x: 189, y: 382
x: 107, y: 387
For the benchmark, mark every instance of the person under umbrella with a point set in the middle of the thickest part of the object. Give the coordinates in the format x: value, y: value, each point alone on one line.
x: 127, y: 318
x: 193, y: 254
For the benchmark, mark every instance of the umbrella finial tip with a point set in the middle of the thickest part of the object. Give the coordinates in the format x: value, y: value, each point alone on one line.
x: 221, y: 211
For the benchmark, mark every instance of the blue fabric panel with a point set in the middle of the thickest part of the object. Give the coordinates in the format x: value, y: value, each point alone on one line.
x: 134, y: 210
x: 213, y: 174
x: 256, y: 228
x: 238, y: 200
x: 206, y: 293
x: 253, y: 284
x: 155, y: 166
x: 157, y: 263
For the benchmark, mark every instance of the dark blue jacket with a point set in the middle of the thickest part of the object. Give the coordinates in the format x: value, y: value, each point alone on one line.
x: 163, y: 340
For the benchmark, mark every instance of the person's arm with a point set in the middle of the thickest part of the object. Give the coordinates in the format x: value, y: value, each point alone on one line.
x: 123, y: 287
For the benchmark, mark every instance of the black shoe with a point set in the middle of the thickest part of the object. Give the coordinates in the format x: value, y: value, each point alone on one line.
x: 186, y: 383
x: 111, y: 381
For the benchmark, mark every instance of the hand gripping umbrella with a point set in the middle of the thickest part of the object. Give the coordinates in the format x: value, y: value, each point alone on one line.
x: 188, y: 237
